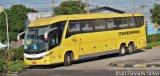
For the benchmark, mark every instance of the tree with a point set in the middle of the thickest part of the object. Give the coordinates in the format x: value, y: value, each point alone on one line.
x: 155, y: 11
x: 70, y: 7
x: 17, y: 16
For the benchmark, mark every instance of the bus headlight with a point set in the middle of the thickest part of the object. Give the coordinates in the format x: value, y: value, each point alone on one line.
x: 47, y: 54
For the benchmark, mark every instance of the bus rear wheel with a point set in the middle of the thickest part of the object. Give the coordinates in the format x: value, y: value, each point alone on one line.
x: 131, y: 48
x: 122, y: 50
x: 67, y: 59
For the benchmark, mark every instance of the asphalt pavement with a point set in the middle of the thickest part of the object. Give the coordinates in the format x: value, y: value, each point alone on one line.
x: 101, y: 66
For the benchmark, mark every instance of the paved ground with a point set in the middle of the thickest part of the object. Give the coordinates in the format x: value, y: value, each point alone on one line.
x: 100, y: 66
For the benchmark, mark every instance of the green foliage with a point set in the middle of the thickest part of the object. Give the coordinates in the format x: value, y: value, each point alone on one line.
x: 18, y: 53
x: 16, y: 65
x: 152, y: 44
x: 155, y: 13
x: 153, y: 38
x: 17, y: 15
x: 12, y: 55
x: 153, y: 41
x: 70, y: 7
x: 3, y: 66
x: 1, y: 52
x: 158, y: 29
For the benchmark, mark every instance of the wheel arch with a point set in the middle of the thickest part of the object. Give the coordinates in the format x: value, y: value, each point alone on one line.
x: 131, y: 42
x: 122, y: 44
x: 71, y: 52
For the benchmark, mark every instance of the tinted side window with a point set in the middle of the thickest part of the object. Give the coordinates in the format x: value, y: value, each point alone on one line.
x: 122, y: 23
x: 139, y: 21
x: 87, y: 25
x: 131, y: 22
x: 74, y: 27
x: 100, y: 25
x: 111, y: 25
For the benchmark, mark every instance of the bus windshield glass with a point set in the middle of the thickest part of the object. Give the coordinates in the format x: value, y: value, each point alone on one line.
x: 34, y: 40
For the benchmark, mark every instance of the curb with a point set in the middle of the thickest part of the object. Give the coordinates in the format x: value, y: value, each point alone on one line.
x: 155, y: 47
x: 134, y: 65
x: 152, y: 47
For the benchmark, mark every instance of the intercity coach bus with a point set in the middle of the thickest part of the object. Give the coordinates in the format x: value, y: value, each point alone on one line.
x: 65, y: 38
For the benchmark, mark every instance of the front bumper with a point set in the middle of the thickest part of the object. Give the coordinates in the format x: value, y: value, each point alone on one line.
x: 43, y: 61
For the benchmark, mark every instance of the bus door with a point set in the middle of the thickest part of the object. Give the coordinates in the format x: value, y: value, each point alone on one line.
x: 53, y: 39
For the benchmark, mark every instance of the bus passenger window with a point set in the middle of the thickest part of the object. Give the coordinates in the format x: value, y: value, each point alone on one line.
x: 111, y: 24
x: 122, y: 23
x: 87, y: 26
x: 100, y: 24
x: 131, y: 22
x: 73, y: 27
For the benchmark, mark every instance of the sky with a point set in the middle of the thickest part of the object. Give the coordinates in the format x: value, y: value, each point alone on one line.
x: 124, y: 5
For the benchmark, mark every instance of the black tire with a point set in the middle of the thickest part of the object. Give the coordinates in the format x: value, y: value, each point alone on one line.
x: 122, y: 50
x: 131, y: 48
x: 67, y: 59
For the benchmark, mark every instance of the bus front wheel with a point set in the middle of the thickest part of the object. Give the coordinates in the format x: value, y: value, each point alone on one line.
x: 67, y: 59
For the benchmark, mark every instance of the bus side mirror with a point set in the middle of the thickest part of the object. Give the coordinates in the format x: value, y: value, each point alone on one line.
x: 19, y: 35
x: 46, y: 34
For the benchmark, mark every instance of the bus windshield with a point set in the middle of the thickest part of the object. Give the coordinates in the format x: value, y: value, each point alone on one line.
x: 34, y: 40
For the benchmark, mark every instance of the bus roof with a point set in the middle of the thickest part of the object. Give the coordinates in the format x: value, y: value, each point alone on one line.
x: 47, y: 21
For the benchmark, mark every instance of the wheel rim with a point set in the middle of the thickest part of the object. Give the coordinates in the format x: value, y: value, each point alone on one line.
x: 130, y: 49
x: 68, y: 59
x: 123, y: 50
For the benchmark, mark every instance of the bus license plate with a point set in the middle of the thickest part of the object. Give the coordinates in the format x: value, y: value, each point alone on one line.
x: 34, y: 62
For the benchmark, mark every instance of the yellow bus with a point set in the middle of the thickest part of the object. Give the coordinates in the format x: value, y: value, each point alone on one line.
x: 65, y: 38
